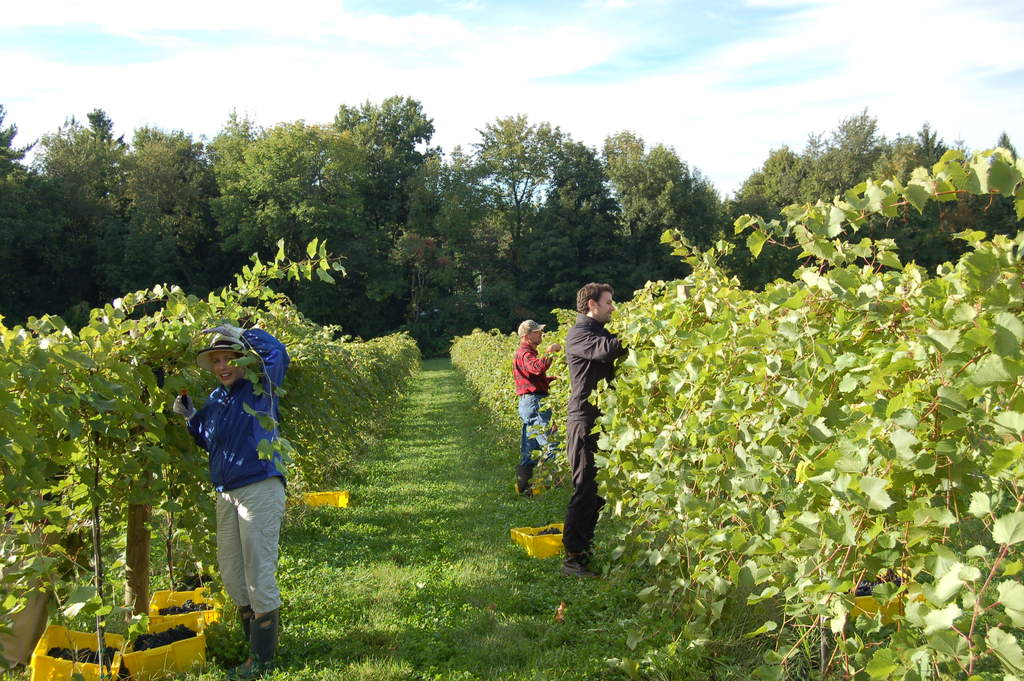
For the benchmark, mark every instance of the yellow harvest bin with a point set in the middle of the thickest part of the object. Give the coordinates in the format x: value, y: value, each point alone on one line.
x: 177, y: 657
x: 534, y: 489
x: 192, y: 620
x: 867, y: 606
x: 536, y: 544
x: 46, y: 668
x: 339, y: 499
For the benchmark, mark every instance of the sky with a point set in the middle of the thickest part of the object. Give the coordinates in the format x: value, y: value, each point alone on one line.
x: 723, y: 83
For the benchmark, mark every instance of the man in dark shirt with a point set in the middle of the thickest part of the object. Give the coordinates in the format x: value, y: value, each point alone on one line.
x: 590, y: 351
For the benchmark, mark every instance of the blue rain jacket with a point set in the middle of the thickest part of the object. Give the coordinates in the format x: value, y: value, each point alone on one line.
x: 228, y: 433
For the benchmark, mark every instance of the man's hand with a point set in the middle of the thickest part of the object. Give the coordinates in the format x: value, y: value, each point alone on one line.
x: 232, y: 333
x: 183, y: 405
x: 553, y: 348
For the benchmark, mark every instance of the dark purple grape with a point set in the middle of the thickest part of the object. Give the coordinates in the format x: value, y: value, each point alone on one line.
x: 865, y: 588
x: 163, y: 638
x: 86, y: 655
x: 187, y: 606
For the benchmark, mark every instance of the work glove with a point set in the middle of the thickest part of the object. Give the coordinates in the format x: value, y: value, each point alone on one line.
x: 183, y: 405
x: 232, y: 333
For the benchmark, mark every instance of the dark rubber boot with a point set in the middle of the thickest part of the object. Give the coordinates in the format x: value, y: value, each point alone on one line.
x: 262, y: 645
x: 576, y: 565
x: 523, y: 475
x: 245, y: 615
x: 263, y: 640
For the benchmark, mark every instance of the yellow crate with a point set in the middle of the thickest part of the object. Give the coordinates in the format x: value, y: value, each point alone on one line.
x: 46, y: 668
x: 867, y: 606
x: 339, y: 499
x: 535, y: 489
x: 536, y: 544
x: 177, y: 657
x: 192, y: 620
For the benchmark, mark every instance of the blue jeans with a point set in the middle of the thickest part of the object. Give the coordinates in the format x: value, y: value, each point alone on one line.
x: 535, y: 429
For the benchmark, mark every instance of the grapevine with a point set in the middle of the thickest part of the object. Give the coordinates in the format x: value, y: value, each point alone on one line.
x: 86, y: 429
x: 767, y: 452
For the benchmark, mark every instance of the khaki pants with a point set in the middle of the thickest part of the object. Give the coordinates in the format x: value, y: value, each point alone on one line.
x: 248, y: 528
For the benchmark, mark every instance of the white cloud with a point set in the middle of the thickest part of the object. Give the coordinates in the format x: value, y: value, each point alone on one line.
x: 307, y: 19
x: 908, y: 62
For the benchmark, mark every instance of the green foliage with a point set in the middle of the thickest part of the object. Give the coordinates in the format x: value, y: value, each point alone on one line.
x: 768, y: 451
x: 515, y: 158
x: 85, y: 416
x: 783, y: 446
x: 828, y: 165
x: 435, y: 244
x: 345, y: 391
x: 484, y: 358
x: 226, y: 646
x: 657, y: 191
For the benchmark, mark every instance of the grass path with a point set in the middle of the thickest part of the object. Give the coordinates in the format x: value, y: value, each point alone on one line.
x: 418, y: 579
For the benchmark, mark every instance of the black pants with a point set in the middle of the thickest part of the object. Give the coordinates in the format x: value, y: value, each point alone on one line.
x: 585, y: 504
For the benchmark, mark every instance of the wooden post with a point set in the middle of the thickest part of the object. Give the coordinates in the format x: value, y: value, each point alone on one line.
x: 136, y: 586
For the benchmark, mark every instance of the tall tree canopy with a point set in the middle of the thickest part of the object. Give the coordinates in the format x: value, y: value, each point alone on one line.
x: 436, y: 243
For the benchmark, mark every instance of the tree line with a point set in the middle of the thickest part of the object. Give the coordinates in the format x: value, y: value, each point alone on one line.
x: 435, y: 243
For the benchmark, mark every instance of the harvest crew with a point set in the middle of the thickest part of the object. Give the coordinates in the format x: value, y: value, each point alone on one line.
x: 590, y: 352
x: 532, y: 382
x: 250, y: 488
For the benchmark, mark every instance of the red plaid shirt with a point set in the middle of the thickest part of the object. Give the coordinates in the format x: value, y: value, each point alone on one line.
x: 529, y: 370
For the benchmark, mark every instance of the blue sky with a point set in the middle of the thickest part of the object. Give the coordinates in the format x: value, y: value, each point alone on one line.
x: 723, y: 83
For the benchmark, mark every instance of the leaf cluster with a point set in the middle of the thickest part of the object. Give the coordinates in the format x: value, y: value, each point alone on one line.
x: 862, y: 422
x: 85, y: 417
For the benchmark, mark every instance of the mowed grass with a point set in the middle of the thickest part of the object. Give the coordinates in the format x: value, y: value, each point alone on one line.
x: 418, y: 580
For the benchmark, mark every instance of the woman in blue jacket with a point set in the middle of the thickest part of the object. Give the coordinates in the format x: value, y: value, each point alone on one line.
x: 250, y: 486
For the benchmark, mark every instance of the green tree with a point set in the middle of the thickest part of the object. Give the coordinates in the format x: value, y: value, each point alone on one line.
x: 298, y: 182
x: 843, y: 160
x: 85, y: 170
x: 899, y: 157
x: 450, y: 204
x: 776, y: 185
x: 577, y: 237
x: 169, y: 233
x: 29, y: 280
x: 657, y: 191
x: 515, y: 158
x: 394, y: 138
x: 1003, y: 141
x: 9, y: 154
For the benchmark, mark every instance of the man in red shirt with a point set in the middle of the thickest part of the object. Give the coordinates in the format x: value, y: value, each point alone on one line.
x: 532, y: 381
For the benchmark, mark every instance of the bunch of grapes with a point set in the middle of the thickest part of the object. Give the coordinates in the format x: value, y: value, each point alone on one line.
x: 867, y: 588
x: 163, y: 638
x: 86, y: 655
x: 225, y: 645
x: 187, y: 606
